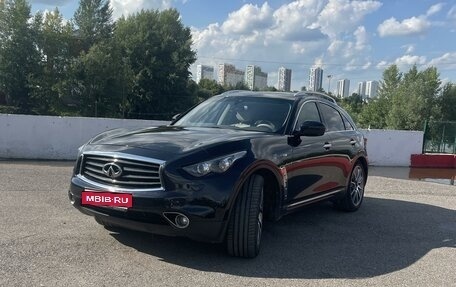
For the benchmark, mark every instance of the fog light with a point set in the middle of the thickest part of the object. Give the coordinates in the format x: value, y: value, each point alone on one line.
x: 71, y: 197
x: 182, y: 221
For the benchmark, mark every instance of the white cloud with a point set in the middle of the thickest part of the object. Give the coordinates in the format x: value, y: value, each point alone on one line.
x: 127, y: 7
x: 445, y: 62
x: 382, y: 65
x: 248, y: 18
x: 340, y: 16
x: 350, y: 66
x: 297, y: 35
x: 367, y: 65
x: 335, y: 47
x: 410, y: 26
x: 434, y: 9
x: 409, y: 48
x: 452, y: 13
x: 408, y: 60
x: 403, y: 62
x: 361, y: 38
x: 292, y: 22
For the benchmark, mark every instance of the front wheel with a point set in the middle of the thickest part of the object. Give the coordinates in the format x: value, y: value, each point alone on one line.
x: 246, y: 223
x: 354, y: 195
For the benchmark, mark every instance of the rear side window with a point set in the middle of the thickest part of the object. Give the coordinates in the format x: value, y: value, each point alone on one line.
x: 308, y: 112
x: 348, y: 125
x: 333, y: 119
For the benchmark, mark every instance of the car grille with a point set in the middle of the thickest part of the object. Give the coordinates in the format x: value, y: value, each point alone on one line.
x: 136, y: 174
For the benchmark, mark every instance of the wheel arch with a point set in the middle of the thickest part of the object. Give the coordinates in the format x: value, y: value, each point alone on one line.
x: 273, y: 187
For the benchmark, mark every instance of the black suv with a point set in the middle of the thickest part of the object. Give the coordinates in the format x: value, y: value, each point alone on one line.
x: 219, y: 169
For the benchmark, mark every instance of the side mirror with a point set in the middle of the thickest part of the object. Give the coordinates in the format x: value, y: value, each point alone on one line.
x: 311, y: 129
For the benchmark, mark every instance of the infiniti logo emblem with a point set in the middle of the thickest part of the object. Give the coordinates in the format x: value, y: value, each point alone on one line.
x: 112, y: 170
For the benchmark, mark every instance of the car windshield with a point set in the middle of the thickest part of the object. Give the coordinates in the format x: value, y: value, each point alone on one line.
x: 248, y: 113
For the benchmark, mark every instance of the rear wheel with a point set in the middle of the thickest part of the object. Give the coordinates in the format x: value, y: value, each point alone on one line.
x: 246, y: 223
x: 354, y: 195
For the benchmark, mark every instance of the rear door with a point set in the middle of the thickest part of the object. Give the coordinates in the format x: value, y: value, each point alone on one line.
x: 344, y: 141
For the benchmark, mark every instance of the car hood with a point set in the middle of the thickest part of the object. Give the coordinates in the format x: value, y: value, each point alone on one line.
x: 166, y: 142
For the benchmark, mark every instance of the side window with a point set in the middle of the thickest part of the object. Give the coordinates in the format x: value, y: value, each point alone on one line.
x: 332, y: 118
x: 348, y: 126
x: 308, y: 112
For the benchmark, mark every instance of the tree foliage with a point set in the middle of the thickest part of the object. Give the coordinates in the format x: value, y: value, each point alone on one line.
x: 447, y: 103
x: 19, y: 57
x: 93, y: 20
x: 158, y: 49
x: 405, y: 101
x: 92, y: 66
x: 54, y: 47
x: 138, y: 67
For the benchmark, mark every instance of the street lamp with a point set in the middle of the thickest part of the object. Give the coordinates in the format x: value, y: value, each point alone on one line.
x: 329, y: 83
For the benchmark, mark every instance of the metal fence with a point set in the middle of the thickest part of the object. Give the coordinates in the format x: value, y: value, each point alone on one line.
x: 439, y: 137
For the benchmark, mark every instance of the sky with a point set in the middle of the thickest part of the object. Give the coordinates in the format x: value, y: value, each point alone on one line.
x: 353, y: 40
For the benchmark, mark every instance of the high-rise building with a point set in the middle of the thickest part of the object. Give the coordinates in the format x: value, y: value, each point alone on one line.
x: 315, y: 79
x: 362, y: 89
x: 255, y: 78
x: 284, y: 81
x: 228, y: 75
x: 204, y: 72
x: 371, y: 89
x: 343, y: 88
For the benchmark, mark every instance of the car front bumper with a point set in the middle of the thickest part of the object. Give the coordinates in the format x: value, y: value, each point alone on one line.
x: 207, y: 217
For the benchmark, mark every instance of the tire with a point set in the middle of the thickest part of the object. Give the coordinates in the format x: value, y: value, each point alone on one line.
x: 246, y: 223
x: 354, y: 195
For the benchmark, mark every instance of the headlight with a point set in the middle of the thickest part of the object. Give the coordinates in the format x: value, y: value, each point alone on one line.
x: 217, y: 165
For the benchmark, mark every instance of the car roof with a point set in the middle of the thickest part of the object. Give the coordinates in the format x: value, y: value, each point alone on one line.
x: 283, y: 95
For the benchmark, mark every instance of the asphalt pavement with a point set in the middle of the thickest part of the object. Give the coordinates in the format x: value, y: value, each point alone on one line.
x: 404, y: 235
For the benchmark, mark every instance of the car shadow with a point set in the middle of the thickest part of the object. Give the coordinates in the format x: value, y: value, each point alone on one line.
x: 383, y: 236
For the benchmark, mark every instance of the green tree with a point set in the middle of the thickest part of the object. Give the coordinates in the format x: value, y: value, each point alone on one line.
x: 105, y: 80
x: 415, y: 99
x: 353, y: 105
x: 93, y: 20
x: 211, y: 86
x: 447, y: 103
x: 18, y: 53
x: 270, y: 89
x: 376, y: 112
x: 54, y: 44
x: 158, y: 48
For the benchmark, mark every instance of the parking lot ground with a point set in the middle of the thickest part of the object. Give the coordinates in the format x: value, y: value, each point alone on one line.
x: 404, y: 235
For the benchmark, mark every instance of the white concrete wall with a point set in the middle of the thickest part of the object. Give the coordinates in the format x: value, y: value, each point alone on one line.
x: 45, y: 137
x: 391, y: 147
x: 57, y: 138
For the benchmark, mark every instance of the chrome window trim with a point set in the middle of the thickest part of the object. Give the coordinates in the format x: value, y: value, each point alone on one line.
x: 300, y: 109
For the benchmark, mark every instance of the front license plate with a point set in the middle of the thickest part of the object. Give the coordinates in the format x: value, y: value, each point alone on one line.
x: 111, y: 199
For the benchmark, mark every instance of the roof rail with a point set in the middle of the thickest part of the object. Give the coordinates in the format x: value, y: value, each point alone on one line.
x: 318, y: 95
x: 233, y: 91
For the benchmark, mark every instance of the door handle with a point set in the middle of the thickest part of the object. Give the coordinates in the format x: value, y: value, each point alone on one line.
x: 327, y: 146
x: 352, y: 142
